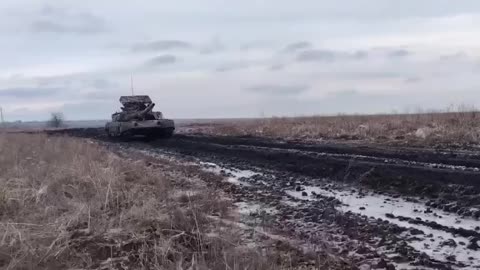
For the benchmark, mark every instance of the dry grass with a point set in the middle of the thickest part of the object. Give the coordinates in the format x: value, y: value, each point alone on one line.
x: 69, y: 204
x: 453, y: 128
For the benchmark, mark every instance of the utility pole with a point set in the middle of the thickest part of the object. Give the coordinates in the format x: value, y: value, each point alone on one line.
x: 1, y: 117
x: 131, y: 83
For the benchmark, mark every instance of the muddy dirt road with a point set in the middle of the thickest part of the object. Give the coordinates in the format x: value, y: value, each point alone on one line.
x: 381, y: 207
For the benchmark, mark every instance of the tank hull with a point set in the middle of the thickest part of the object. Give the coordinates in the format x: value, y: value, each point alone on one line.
x: 161, y: 128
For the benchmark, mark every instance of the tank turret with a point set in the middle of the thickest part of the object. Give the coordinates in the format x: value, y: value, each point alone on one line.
x: 130, y: 115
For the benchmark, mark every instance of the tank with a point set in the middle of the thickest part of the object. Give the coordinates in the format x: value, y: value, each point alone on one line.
x: 137, y: 118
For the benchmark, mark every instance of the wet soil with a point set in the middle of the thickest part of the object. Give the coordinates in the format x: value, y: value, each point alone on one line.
x: 326, y: 195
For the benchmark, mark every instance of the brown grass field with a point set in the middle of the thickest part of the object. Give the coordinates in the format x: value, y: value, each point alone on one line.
x: 451, y: 128
x: 69, y: 203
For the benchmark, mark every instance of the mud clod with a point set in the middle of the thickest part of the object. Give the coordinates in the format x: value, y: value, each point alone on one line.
x: 449, y: 243
x: 473, y: 245
x: 451, y: 258
x: 414, y: 231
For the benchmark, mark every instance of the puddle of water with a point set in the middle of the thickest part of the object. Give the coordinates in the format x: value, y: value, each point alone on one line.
x: 377, y: 206
x: 233, y: 175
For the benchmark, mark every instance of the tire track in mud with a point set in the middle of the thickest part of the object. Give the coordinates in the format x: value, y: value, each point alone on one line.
x: 441, y: 184
x: 328, y: 198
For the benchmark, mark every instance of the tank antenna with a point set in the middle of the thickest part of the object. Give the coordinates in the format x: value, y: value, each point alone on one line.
x: 131, y: 83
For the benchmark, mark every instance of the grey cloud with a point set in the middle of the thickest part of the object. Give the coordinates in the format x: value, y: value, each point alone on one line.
x: 293, y: 47
x: 162, y: 45
x: 344, y: 93
x: 369, y: 74
x: 358, y: 75
x: 57, y: 20
x: 257, y: 44
x: 98, y: 109
x: 102, y: 95
x: 275, y: 67
x: 28, y: 92
x: 47, y: 26
x: 454, y: 57
x: 232, y: 66
x: 50, y: 10
x: 346, y: 101
x: 101, y: 89
x: 329, y: 55
x: 360, y: 55
x: 367, y: 10
x: 77, y: 81
x: 399, y: 53
x: 90, y: 86
x: 317, y: 56
x: 55, y: 81
x: 272, y: 89
x: 214, y: 46
x: 161, y: 60
x: 413, y: 79
x: 100, y: 83
x: 225, y: 68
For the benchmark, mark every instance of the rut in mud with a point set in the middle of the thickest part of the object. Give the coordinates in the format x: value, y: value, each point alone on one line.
x: 376, y: 205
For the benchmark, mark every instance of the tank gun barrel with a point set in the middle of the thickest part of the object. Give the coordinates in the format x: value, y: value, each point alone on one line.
x: 129, y: 116
x: 147, y: 110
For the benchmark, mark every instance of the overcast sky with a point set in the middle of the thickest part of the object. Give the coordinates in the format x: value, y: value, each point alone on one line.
x: 219, y: 58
